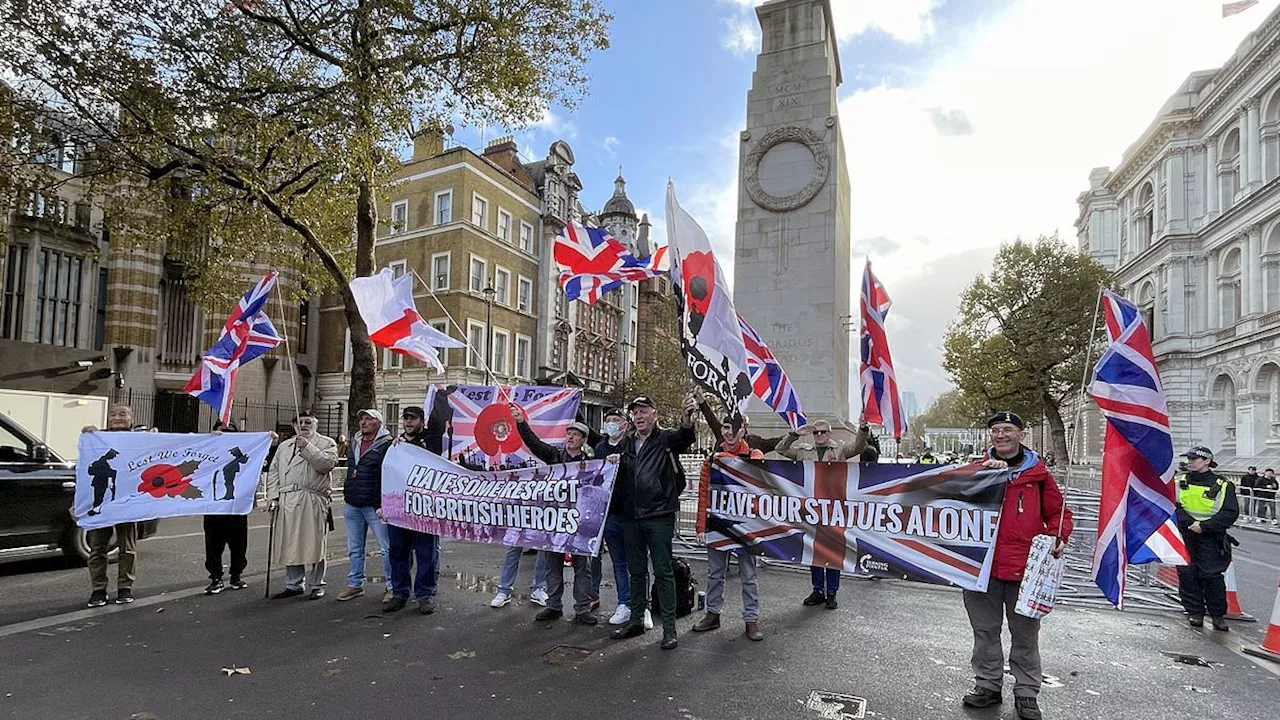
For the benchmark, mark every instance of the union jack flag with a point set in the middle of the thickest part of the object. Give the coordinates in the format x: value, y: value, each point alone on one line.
x: 922, y: 555
x: 1136, y: 522
x: 483, y: 431
x: 769, y: 380
x: 592, y: 262
x: 880, y: 400
x: 247, y: 335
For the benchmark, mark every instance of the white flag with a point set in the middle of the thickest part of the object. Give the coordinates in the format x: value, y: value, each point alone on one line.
x: 710, y: 336
x: 387, y: 306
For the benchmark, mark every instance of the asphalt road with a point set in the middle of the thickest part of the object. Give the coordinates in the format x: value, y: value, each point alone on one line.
x: 1257, y: 574
x: 902, y: 647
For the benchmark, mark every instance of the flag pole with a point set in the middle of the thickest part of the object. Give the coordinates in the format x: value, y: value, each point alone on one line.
x: 293, y: 381
x: 483, y: 360
x: 1084, y: 379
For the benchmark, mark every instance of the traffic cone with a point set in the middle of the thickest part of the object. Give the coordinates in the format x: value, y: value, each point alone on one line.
x: 1234, y: 611
x: 1270, y: 647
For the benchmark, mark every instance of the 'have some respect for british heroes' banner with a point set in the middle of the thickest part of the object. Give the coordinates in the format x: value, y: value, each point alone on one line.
x: 929, y: 523
x: 561, y: 508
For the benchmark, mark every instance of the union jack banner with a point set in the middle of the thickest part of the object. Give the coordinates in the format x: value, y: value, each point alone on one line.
x: 1136, y: 521
x: 880, y: 400
x: 479, y: 431
x: 934, y: 524
x: 247, y: 335
x: 769, y: 380
x: 592, y: 262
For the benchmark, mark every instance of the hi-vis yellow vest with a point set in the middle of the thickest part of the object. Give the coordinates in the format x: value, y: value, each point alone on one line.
x: 1199, y: 501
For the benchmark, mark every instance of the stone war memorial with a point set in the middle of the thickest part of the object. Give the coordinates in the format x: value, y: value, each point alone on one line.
x: 791, y: 261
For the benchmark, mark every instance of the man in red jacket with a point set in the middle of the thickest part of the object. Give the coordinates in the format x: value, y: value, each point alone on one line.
x: 1033, y: 505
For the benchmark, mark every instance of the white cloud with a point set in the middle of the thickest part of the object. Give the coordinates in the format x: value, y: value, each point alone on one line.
x: 742, y: 35
x: 610, y: 145
x: 908, y: 21
x: 552, y: 123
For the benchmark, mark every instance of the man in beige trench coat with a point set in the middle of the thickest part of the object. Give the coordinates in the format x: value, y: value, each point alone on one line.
x: 298, y: 496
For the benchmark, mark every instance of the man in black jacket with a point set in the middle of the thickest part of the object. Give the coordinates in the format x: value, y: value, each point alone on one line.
x: 651, y: 481
x: 1248, y: 482
x: 574, y: 450
x: 613, y: 442
x: 405, y: 545
x: 362, y: 494
x: 1207, y: 507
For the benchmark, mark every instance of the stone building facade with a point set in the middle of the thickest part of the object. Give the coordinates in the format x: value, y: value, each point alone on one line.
x: 1190, y: 223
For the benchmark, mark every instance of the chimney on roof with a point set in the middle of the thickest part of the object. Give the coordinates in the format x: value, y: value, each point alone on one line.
x: 503, y: 151
x: 429, y: 140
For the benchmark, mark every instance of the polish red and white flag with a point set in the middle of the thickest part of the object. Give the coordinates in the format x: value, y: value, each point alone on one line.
x: 386, y: 304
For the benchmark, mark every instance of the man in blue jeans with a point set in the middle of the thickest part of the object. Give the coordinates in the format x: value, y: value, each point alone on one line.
x: 362, y: 494
x: 409, y: 545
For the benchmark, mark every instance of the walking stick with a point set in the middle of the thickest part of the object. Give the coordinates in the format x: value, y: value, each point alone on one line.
x: 271, y: 543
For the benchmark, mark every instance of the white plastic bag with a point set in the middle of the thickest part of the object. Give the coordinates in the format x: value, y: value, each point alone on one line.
x: 1041, y: 580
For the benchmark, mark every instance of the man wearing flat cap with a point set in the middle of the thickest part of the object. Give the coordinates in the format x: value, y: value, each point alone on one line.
x: 1033, y: 505
x: 1207, y: 506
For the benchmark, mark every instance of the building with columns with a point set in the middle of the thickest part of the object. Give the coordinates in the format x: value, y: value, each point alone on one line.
x: 1189, y: 221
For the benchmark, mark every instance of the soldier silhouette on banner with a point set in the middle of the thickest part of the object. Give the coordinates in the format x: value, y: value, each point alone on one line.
x: 104, y: 476
x: 229, y: 472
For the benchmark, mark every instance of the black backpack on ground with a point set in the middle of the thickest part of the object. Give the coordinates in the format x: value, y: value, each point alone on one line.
x: 686, y: 589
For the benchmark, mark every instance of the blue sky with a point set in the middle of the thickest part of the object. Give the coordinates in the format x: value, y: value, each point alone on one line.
x: 967, y: 123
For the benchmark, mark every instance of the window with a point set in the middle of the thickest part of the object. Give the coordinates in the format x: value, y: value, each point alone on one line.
x: 399, y: 216
x: 524, y: 349
x: 12, y: 448
x: 392, y: 417
x: 442, y: 326
x: 479, y: 212
x: 398, y: 268
x: 100, y: 323
x: 15, y: 275
x: 524, y: 294
x: 475, y: 341
x: 501, y: 340
x: 479, y: 271
x: 440, y: 271
x: 58, y: 298
x: 502, y: 284
x: 392, y: 360
x: 526, y: 237
x: 504, y: 226
x: 444, y: 207
x: 559, y: 349
x: 562, y: 305
x: 346, y: 354
x: 304, y: 321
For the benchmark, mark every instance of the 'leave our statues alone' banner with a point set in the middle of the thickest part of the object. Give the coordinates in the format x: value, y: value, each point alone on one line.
x: 929, y: 523
x: 483, y: 431
x: 131, y: 476
x: 561, y: 508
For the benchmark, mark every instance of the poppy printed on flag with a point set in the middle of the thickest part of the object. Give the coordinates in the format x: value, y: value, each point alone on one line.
x: 482, y: 431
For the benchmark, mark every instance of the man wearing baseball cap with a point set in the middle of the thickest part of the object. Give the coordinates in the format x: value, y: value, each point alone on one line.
x: 405, y: 545
x: 1207, y: 506
x: 362, y: 494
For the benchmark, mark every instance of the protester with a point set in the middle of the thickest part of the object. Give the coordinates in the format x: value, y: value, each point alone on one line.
x: 225, y: 531
x: 1207, y: 507
x: 406, y: 545
x: 755, y: 442
x: 1266, y: 496
x: 826, y: 581
x: 573, y: 451
x: 732, y: 444
x: 1033, y: 505
x: 363, y: 495
x: 651, y: 480
x: 1246, y: 494
x: 119, y: 419
x: 613, y: 442
x: 298, y: 497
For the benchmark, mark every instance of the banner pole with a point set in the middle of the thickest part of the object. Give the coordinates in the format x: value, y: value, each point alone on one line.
x: 1078, y: 440
x: 293, y: 381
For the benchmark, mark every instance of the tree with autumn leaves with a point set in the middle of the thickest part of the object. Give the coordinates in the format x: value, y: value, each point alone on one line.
x: 269, y: 130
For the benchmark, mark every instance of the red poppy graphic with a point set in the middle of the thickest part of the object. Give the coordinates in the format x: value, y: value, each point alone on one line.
x: 163, y: 480
x: 699, y: 273
x: 496, y: 432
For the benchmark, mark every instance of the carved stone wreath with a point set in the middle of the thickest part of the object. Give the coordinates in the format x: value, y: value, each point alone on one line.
x: 800, y: 198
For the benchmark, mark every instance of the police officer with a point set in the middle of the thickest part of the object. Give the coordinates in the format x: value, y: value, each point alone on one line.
x: 1207, y: 506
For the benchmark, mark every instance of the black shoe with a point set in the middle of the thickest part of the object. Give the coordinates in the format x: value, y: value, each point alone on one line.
x: 586, y: 618
x: 1196, y: 621
x: 427, y: 605
x: 629, y: 630
x: 981, y: 697
x: 215, y: 587
x: 547, y: 615
x: 1027, y: 708
x: 97, y: 598
x: 1220, y: 624
x: 237, y: 584
x: 668, y: 640
x: 817, y: 597
x: 287, y: 593
x: 595, y: 603
x: 124, y: 596
x: 91, y: 513
x: 710, y: 621
x: 831, y: 602
x: 394, y: 604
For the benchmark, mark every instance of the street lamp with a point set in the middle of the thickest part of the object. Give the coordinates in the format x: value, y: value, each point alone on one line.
x: 489, y: 293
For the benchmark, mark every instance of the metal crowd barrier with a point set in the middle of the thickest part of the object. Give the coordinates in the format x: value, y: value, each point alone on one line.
x: 1255, y: 509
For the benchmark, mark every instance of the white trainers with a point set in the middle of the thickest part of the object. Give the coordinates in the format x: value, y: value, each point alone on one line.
x: 499, y: 600
x: 620, y: 616
x: 648, y: 620
x: 538, y: 597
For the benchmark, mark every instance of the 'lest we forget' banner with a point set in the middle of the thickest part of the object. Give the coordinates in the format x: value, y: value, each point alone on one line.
x: 928, y: 523
x: 561, y: 508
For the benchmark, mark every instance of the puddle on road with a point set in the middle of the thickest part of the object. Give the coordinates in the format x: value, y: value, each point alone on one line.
x: 563, y: 654
x: 480, y: 583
